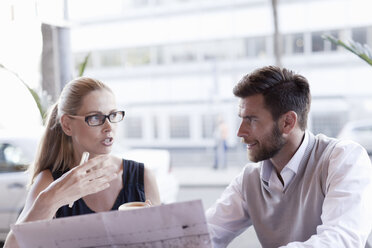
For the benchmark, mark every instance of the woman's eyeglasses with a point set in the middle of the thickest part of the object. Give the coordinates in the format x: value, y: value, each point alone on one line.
x: 99, y: 119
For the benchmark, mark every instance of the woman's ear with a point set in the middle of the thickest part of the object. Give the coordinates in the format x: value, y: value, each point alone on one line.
x: 288, y: 121
x: 66, y: 125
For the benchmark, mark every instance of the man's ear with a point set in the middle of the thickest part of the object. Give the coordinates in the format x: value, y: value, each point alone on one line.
x: 288, y: 121
x: 66, y: 125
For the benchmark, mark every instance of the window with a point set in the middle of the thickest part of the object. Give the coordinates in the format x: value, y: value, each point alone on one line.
x: 79, y: 59
x: 328, y: 123
x: 297, y: 43
x: 137, y: 57
x: 110, y: 58
x: 183, y: 53
x: 256, y: 47
x: 140, y: 3
x: 221, y: 49
x: 318, y: 44
x: 208, y: 126
x: 159, y: 55
x: 359, y: 35
x: 133, y: 127
x: 155, y: 120
x: 179, y: 127
x: 293, y: 44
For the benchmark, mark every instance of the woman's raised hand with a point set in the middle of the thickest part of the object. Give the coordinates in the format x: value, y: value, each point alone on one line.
x: 85, y: 179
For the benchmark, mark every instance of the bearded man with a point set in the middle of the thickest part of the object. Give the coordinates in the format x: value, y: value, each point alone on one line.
x: 304, y: 190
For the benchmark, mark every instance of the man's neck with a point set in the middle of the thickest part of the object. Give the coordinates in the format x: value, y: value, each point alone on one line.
x: 294, y: 141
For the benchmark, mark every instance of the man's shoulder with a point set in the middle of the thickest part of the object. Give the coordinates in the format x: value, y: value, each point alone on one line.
x: 323, y: 140
x: 250, y: 168
x: 325, y: 147
x: 252, y: 172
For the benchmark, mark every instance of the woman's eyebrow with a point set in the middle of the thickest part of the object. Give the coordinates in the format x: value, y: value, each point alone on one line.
x: 93, y: 112
x: 100, y: 112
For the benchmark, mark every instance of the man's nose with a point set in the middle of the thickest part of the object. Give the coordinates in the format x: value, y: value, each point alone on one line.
x: 241, y: 131
x: 244, y: 129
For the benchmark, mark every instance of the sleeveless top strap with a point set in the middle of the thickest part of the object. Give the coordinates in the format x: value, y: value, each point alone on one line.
x: 133, y: 190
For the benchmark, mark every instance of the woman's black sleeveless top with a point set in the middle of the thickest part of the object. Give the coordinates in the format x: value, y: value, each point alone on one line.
x: 133, y: 190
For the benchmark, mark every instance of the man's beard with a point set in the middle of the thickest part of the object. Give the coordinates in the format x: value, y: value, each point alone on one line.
x: 273, y: 143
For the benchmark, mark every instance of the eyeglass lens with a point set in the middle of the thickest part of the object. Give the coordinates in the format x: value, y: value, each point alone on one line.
x: 96, y: 120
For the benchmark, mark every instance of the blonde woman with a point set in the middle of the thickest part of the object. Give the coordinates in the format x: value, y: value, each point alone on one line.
x: 84, y: 119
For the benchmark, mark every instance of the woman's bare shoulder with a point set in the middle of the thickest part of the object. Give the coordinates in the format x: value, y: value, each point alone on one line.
x: 42, y: 181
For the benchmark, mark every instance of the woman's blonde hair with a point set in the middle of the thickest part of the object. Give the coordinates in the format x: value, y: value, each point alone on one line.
x: 55, y: 150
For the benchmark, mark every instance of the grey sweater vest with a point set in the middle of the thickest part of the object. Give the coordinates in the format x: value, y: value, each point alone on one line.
x: 292, y: 215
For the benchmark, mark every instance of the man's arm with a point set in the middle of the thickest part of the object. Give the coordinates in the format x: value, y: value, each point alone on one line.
x: 227, y: 218
x: 347, y: 208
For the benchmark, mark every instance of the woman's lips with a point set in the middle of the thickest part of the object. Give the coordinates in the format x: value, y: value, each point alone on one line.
x: 108, y: 141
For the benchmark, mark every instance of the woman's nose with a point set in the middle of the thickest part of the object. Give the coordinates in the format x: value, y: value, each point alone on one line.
x: 107, y: 125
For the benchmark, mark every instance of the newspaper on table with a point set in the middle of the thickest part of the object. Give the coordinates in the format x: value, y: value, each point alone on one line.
x: 174, y: 225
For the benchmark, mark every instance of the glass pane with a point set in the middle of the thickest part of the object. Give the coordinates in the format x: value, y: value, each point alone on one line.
x: 260, y: 46
x: 359, y: 35
x: 329, y: 123
x: 183, y: 53
x: 155, y: 127
x: 110, y: 58
x: 317, y: 42
x: 133, y: 127
x: 298, y: 43
x: 79, y: 59
x: 334, y: 34
x: 208, y: 126
x: 137, y: 57
x: 255, y: 46
x: 219, y: 50
x: 179, y: 127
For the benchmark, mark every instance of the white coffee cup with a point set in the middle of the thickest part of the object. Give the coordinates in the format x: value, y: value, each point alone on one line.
x: 134, y: 205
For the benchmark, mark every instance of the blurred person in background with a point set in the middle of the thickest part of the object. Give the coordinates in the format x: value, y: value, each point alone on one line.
x: 306, y: 190
x: 220, y: 147
x: 84, y: 119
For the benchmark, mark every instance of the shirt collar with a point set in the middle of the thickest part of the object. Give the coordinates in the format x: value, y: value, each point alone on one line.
x: 266, y: 169
x: 292, y: 165
x: 295, y: 161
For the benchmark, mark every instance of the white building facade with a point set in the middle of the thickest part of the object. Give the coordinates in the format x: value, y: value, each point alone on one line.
x: 173, y: 64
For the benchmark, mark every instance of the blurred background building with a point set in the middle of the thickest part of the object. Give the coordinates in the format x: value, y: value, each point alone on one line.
x: 173, y: 63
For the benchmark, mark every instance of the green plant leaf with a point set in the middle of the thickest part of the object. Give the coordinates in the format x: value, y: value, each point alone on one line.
x: 83, y: 65
x: 362, y: 51
x: 34, y: 94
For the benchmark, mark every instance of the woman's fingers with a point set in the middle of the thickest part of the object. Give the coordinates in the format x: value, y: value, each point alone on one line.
x: 91, y: 177
x: 107, y: 173
x: 96, y: 177
x: 148, y: 202
x: 93, y: 181
x: 96, y: 167
x: 94, y: 186
x: 94, y: 162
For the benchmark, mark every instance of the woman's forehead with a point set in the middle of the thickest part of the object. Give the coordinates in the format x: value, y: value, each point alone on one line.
x: 98, y: 100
